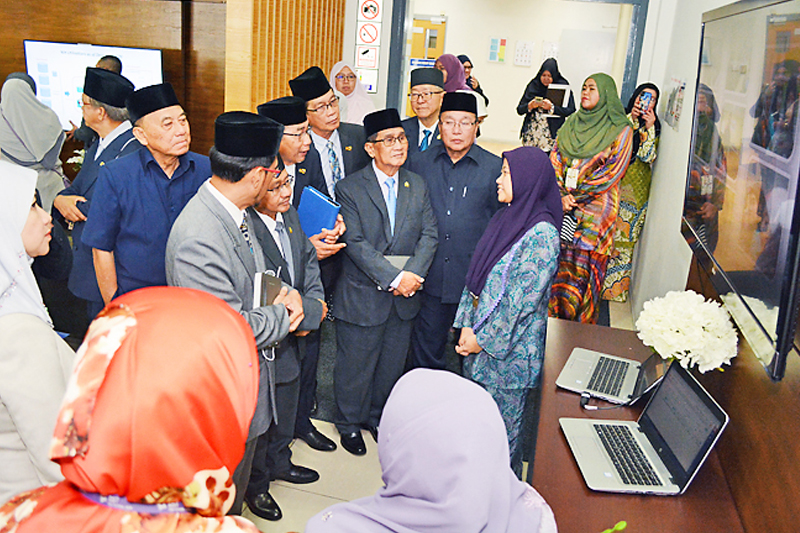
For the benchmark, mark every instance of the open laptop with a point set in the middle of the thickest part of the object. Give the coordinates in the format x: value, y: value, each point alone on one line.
x: 610, y: 378
x: 658, y: 454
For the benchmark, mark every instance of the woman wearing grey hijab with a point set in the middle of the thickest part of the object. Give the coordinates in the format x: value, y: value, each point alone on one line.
x: 31, y: 135
x: 444, y: 456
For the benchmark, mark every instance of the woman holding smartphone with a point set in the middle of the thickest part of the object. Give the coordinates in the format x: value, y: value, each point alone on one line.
x: 634, y: 190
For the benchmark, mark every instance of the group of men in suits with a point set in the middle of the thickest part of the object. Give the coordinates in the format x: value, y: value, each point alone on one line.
x: 387, y: 270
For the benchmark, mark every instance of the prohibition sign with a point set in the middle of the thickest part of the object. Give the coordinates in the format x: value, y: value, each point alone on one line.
x: 370, y: 9
x: 368, y: 33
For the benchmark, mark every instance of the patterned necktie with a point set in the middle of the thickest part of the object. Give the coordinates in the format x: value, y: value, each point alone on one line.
x: 425, y: 142
x: 336, y: 169
x: 246, y: 234
x: 391, y: 202
x: 286, y: 248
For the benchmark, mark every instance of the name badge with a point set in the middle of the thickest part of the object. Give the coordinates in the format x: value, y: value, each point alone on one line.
x: 707, y: 185
x: 572, y: 178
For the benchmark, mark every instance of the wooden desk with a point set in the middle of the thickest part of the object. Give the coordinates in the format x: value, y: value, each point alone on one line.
x: 706, y: 506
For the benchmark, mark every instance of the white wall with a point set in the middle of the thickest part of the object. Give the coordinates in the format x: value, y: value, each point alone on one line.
x: 471, y: 24
x: 671, y: 48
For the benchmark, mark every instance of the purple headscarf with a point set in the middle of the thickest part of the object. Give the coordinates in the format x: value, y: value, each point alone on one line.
x: 444, y: 454
x: 456, y: 79
x: 535, y: 198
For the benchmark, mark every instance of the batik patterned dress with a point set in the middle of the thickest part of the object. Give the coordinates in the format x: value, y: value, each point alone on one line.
x: 634, y: 193
x: 583, y: 261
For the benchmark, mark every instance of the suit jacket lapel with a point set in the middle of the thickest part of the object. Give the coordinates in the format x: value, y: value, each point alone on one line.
x: 296, y: 239
x: 271, y: 252
x: 403, y: 199
x: 376, y: 195
x: 240, y: 246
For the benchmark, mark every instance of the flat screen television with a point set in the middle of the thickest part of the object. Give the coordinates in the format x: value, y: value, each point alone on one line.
x: 741, y: 212
x: 59, y: 70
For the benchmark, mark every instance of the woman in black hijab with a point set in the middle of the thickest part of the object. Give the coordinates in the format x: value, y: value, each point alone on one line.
x: 539, y: 129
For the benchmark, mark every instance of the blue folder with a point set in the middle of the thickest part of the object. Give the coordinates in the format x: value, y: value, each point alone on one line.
x: 316, y: 211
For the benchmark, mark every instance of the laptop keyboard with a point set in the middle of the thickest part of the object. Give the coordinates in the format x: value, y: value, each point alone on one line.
x: 608, y: 376
x: 627, y: 456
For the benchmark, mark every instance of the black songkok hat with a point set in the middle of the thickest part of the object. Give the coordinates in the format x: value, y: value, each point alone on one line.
x: 289, y: 110
x: 245, y: 134
x: 106, y: 87
x: 310, y: 84
x: 149, y: 99
x: 459, y: 102
x: 427, y: 76
x: 381, y: 120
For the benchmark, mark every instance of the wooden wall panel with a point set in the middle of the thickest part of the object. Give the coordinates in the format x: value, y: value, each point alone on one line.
x: 193, y: 59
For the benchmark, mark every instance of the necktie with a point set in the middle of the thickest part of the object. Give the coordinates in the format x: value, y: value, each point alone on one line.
x: 425, y: 142
x: 246, y: 234
x: 286, y: 248
x: 391, y: 202
x: 336, y: 169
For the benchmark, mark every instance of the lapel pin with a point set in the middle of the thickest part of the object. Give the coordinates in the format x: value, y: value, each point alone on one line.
x: 348, y: 148
x: 406, y: 185
x: 301, y: 170
x: 290, y: 229
x: 102, y: 163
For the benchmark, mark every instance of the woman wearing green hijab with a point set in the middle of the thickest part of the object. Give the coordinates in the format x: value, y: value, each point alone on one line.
x: 591, y: 154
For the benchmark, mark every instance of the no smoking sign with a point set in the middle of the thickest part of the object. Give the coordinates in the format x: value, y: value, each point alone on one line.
x: 369, y: 33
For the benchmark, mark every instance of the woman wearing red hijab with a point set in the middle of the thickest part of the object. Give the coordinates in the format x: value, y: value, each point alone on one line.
x: 153, y: 423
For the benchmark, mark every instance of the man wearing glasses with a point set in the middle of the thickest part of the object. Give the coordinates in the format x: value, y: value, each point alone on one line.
x: 461, y: 178
x: 391, y: 240
x: 427, y: 90
x: 212, y: 247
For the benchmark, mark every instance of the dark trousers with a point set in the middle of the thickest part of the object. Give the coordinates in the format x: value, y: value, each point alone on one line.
x: 241, y: 476
x: 308, y: 383
x: 272, y: 454
x: 369, y: 360
x: 429, y: 336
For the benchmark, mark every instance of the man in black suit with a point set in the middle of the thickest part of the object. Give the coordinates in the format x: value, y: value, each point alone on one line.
x: 461, y: 179
x: 427, y: 90
x: 290, y: 256
x: 391, y: 240
x: 295, y: 146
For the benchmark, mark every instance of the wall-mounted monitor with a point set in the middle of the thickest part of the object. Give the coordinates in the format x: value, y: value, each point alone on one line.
x: 59, y: 70
x: 741, y: 211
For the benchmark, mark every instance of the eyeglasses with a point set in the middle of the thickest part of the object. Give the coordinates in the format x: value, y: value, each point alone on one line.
x: 348, y: 77
x: 450, y: 124
x: 423, y: 96
x: 324, y: 107
x: 304, y: 132
x: 391, y: 141
x: 289, y: 183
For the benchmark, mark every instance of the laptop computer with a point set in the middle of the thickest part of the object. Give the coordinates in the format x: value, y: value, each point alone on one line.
x: 611, y: 378
x: 658, y: 454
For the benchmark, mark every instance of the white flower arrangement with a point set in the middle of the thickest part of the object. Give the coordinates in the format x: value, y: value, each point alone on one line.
x: 77, y: 159
x: 684, y: 326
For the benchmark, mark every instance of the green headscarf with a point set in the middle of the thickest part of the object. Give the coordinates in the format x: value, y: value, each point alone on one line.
x: 588, y: 132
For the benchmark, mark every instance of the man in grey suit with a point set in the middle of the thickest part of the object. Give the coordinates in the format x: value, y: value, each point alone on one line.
x: 211, y: 248
x: 291, y: 256
x: 391, y: 239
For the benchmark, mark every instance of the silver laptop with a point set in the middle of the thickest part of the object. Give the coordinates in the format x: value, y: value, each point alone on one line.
x: 658, y: 454
x: 611, y: 378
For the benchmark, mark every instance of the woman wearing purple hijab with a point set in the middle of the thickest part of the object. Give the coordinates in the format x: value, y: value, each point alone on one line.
x: 445, y: 467
x: 503, y: 309
x: 453, y: 70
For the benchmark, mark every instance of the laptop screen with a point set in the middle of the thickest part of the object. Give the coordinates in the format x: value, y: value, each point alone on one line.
x: 682, y: 422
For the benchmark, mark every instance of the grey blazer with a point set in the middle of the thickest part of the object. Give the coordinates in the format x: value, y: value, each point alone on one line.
x: 207, y: 251
x: 306, y: 280
x: 357, y: 299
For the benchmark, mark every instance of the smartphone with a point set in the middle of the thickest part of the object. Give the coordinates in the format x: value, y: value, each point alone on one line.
x: 644, y: 101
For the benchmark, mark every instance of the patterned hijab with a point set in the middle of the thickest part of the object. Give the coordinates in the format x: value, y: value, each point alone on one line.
x: 444, y: 455
x: 156, y: 412
x: 588, y: 132
x: 535, y: 198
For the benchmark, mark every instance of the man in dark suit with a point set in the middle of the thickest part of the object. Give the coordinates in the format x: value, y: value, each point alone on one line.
x: 427, y: 89
x: 295, y: 146
x: 461, y: 179
x: 290, y: 255
x: 211, y: 248
x: 103, y: 100
x: 391, y: 240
